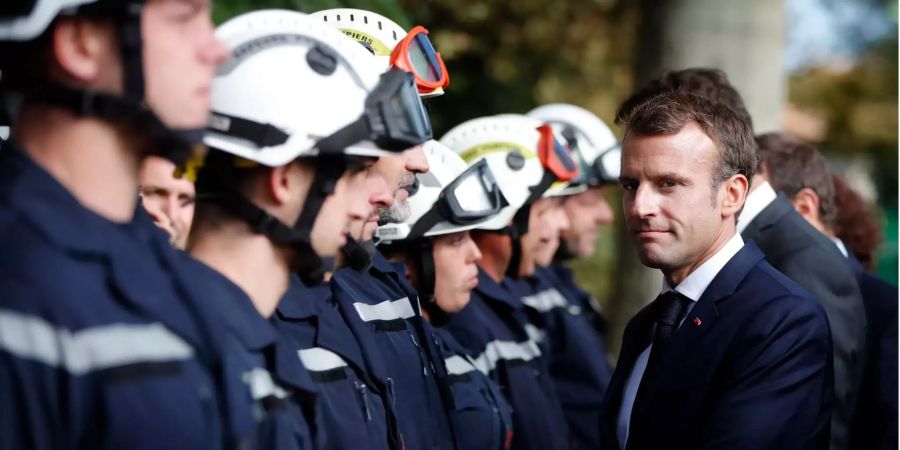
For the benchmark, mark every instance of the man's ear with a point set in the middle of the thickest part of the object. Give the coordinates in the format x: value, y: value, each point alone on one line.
x: 735, y: 193
x: 84, y: 51
x: 279, y: 183
x: 806, y: 202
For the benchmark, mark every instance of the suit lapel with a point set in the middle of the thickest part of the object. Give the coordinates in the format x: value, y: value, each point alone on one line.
x: 697, y: 324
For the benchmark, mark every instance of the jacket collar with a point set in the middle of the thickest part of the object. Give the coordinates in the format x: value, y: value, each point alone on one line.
x: 770, y: 215
x: 306, y: 303
x: 236, y: 310
x: 492, y: 291
x: 56, y: 213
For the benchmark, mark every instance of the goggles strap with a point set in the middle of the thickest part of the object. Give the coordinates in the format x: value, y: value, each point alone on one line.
x: 358, y: 130
x: 261, y: 134
x: 425, y: 223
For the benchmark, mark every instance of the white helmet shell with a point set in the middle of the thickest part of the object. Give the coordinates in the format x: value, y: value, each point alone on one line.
x: 379, y: 32
x: 559, y: 188
x: 271, y: 79
x: 30, y: 26
x: 508, y: 144
x: 594, y: 137
x: 445, y: 167
x: 373, y: 29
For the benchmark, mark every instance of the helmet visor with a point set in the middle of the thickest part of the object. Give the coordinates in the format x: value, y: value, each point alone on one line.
x: 396, y: 114
x: 473, y: 196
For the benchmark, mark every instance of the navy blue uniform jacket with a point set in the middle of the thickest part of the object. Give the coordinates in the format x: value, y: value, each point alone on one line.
x: 106, y: 341
x: 382, y: 311
x: 353, y: 405
x: 576, y: 350
x: 482, y: 418
x: 749, y: 368
x: 497, y: 334
x: 280, y: 393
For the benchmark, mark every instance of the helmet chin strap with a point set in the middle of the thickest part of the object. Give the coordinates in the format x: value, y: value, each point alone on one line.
x: 308, y: 265
x: 420, y: 252
x: 516, y: 230
x: 358, y: 254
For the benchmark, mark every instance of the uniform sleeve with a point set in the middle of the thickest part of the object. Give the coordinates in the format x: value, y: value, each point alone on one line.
x: 778, y: 391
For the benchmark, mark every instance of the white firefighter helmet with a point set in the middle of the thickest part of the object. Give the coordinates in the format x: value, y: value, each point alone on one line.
x: 591, y: 140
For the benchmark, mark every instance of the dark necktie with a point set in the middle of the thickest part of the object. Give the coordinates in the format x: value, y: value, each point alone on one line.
x: 669, y: 308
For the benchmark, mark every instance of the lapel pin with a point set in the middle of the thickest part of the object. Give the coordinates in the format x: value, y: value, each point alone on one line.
x: 697, y: 321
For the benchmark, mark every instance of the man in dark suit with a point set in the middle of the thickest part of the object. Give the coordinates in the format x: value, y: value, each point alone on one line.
x: 732, y: 354
x: 801, y: 173
x: 808, y: 257
x: 793, y: 247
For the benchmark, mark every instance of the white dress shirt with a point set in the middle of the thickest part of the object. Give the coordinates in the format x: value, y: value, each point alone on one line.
x: 757, y: 200
x: 841, y: 247
x: 691, y: 287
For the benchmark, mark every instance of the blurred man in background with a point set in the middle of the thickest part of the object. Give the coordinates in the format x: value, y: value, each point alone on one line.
x: 801, y: 173
x: 167, y: 198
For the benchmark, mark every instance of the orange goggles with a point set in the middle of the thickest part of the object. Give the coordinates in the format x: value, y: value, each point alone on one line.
x: 554, y: 156
x: 416, y: 55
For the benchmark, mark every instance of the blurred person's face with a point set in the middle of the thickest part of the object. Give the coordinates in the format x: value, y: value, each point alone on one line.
x: 347, y: 205
x: 181, y: 55
x: 456, y: 260
x: 586, y: 212
x: 495, y: 247
x: 546, y: 221
x: 400, y: 175
x: 675, y: 218
x: 169, y: 200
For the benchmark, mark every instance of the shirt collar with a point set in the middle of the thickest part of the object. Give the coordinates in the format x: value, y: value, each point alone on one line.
x: 757, y: 200
x: 697, y: 281
x: 841, y: 247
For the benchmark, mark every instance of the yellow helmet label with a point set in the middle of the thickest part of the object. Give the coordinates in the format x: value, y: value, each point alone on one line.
x: 380, y: 48
x: 494, y: 147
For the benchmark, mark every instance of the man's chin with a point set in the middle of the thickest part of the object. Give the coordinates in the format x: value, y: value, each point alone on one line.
x: 652, y: 260
x: 368, y: 231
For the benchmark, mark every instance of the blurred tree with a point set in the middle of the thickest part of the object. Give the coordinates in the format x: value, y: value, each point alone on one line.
x: 858, y: 103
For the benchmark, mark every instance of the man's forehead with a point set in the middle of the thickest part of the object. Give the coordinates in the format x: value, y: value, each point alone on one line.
x: 691, y: 142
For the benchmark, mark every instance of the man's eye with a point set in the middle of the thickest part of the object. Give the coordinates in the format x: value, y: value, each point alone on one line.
x: 628, y: 185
